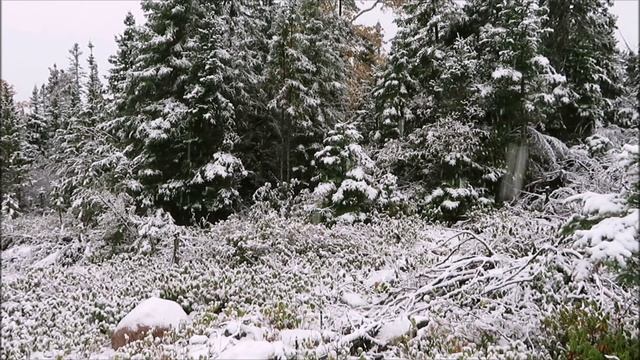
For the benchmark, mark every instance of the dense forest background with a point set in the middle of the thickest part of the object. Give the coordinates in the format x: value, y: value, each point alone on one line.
x: 215, y: 109
x: 207, y: 103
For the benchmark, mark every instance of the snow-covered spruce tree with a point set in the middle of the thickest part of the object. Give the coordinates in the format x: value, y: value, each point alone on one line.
x: 249, y: 39
x: 582, y: 46
x: 88, y: 165
x: 180, y: 162
x: 425, y: 27
x: 57, y: 103
x: 94, y: 88
x: 457, y: 90
x: 91, y: 171
x: 345, y: 185
x: 521, y: 85
x: 74, y: 84
x: 287, y: 67
x: 121, y: 84
x: 307, y: 85
x: 211, y: 95
x: 627, y: 105
x: 63, y: 108
x: 154, y: 93
x: 37, y: 126
x: 155, y: 98
x: 217, y: 98
x: 14, y: 155
x: 393, y: 93
x: 328, y: 36
x: 403, y: 96
x: 122, y: 61
x: 447, y: 167
x: 67, y: 142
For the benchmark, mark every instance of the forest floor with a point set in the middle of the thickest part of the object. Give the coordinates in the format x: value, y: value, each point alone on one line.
x: 504, y: 284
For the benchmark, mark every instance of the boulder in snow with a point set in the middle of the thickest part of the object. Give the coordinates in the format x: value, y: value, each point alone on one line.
x: 153, y: 315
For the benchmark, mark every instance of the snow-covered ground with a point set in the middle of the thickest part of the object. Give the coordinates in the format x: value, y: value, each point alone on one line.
x: 263, y: 286
x: 298, y: 288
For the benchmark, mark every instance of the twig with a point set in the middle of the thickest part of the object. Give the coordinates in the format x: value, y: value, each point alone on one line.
x: 376, y: 3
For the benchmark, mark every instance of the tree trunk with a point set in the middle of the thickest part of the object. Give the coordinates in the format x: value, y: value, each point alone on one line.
x: 288, y: 149
x: 283, y: 137
x: 176, y: 243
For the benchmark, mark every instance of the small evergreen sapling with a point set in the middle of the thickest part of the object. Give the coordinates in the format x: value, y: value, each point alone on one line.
x: 345, y: 184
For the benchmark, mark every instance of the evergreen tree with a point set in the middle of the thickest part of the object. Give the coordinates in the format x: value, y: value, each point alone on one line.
x: 215, y: 97
x: 156, y: 93
x: 583, y: 47
x: 393, y: 95
x: 458, y: 90
x: 72, y: 150
x: 251, y: 34
x: 403, y: 96
x: 74, y: 83
x: 37, y: 125
x: 94, y: 90
x: 346, y: 187
x: 122, y: 62
x: 14, y: 152
x: 521, y: 86
x: 122, y: 86
x: 56, y: 101
x: 307, y: 91
x: 179, y: 104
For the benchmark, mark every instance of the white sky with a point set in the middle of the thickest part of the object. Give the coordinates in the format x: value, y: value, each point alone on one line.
x: 36, y: 34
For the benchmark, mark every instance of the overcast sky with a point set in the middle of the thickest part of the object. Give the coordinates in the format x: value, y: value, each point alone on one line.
x: 36, y: 34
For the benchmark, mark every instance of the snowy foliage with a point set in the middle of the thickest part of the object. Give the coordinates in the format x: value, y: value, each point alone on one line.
x: 346, y: 185
x: 491, y: 210
x: 607, y: 225
x: 446, y: 162
x: 269, y: 275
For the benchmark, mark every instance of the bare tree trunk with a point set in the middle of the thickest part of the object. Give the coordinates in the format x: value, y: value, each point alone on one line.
x: 283, y: 135
x: 288, y: 149
x: 176, y: 243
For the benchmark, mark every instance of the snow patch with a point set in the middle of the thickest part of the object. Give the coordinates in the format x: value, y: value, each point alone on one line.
x: 154, y: 313
x: 17, y: 252
x: 502, y: 73
x: 393, y: 330
x: 380, y: 276
x: 354, y: 300
x: 614, y: 237
x: 254, y: 350
x: 47, y: 261
x: 599, y: 204
x: 296, y: 337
